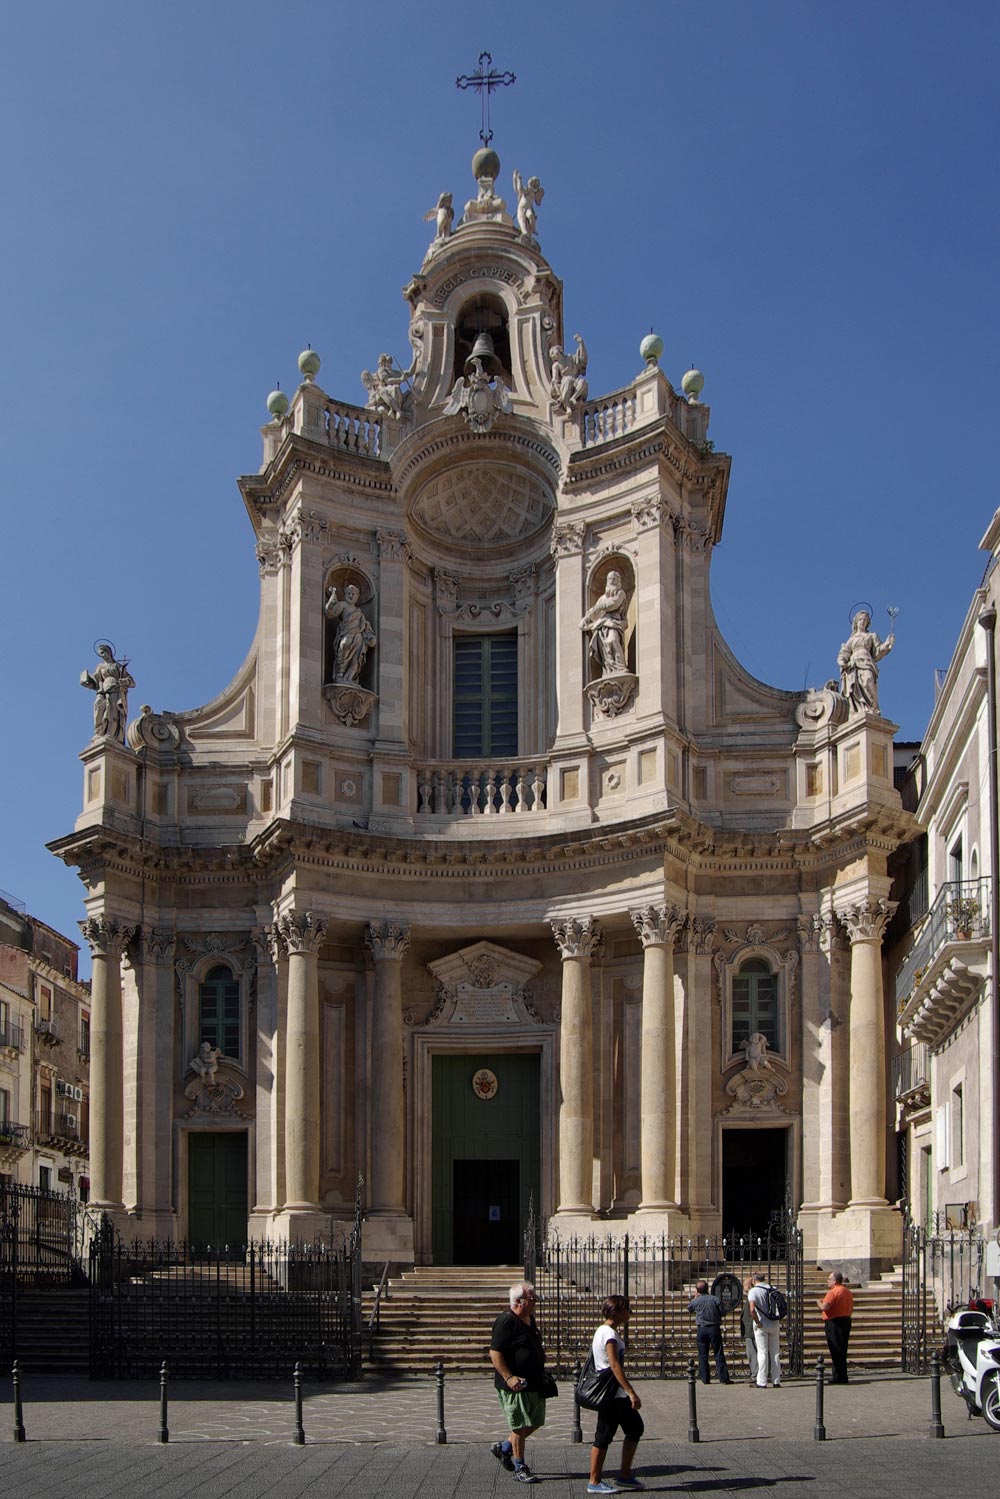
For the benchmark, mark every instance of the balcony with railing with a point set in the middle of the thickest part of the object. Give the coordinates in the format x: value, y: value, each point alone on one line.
x: 46, y: 1030
x: 947, y: 967
x: 11, y: 1039
x: 911, y: 1076
x: 13, y: 1137
x: 61, y: 1129
x: 448, y: 790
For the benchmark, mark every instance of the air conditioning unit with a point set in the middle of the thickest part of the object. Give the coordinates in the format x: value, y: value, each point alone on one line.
x: 63, y: 1089
x: 71, y: 1121
x: 75, y: 1093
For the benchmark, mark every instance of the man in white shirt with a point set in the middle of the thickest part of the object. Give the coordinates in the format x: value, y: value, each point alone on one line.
x: 767, y: 1335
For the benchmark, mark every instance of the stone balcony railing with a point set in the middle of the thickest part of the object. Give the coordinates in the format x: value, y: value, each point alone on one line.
x: 945, y: 969
x: 450, y: 790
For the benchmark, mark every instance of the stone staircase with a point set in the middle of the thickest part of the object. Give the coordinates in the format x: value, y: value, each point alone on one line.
x: 445, y: 1313
x: 53, y: 1331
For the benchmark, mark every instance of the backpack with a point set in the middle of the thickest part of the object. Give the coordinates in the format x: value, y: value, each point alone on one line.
x: 775, y: 1304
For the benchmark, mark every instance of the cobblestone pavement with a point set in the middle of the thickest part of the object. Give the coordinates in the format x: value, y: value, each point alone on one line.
x: 378, y: 1438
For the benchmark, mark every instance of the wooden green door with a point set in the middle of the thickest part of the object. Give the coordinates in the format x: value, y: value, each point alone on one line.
x: 217, y: 1190
x: 485, y: 1156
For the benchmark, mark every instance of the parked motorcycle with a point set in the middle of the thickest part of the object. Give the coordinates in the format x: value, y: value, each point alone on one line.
x: 972, y: 1358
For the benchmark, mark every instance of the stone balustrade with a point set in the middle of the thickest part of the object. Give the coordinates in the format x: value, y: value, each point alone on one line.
x: 446, y: 789
x: 609, y: 417
x: 353, y: 428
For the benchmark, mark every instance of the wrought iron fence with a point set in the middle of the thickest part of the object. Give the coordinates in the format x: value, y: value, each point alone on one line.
x: 942, y: 1269
x: 224, y: 1312
x: 37, y: 1242
x: 572, y: 1277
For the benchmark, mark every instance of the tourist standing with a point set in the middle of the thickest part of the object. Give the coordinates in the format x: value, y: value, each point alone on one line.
x: 767, y: 1335
x: 707, y: 1310
x: 837, y: 1307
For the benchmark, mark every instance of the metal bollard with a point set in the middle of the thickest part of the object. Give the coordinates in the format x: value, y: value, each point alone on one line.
x: 19, y: 1435
x: 694, y: 1435
x: 937, y: 1425
x: 576, y: 1434
x: 299, y: 1439
x: 163, y: 1435
x: 819, y: 1430
x: 442, y: 1435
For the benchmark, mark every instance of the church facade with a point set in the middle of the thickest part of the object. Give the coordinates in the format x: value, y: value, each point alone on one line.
x: 493, y: 877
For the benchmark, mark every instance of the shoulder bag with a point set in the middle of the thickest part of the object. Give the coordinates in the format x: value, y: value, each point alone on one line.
x: 594, y: 1385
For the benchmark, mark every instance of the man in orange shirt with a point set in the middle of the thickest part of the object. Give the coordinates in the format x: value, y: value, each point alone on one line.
x: 837, y: 1306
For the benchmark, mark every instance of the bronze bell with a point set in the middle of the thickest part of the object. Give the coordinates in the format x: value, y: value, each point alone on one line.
x: 484, y: 351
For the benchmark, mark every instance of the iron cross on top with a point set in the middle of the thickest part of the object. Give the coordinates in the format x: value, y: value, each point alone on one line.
x: 485, y: 81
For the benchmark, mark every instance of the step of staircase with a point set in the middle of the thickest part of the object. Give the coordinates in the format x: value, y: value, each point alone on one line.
x: 53, y: 1331
x: 445, y: 1314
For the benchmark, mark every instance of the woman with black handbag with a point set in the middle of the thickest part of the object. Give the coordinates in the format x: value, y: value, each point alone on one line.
x: 618, y: 1402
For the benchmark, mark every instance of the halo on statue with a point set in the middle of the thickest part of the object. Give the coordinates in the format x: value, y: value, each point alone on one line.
x: 109, y: 643
x: 857, y: 610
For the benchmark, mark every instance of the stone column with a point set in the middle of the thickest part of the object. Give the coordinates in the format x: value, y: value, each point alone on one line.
x: 150, y: 1117
x: 866, y: 921
x: 658, y: 928
x: 576, y: 940
x: 106, y: 939
x: 387, y: 941
x: 303, y: 936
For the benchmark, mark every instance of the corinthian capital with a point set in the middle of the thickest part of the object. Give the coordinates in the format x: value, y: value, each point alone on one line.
x: 658, y: 926
x: 387, y: 940
x: 577, y: 937
x: 105, y: 937
x: 153, y: 944
x: 866, y: 920
x: 301, y: 933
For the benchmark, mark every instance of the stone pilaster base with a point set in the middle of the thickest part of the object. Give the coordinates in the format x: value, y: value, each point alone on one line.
x: 387, y: 1236
x: 569, y: 1221
x: 654, y: 1221
x: 862, y: 1241
x: 307, y: 1224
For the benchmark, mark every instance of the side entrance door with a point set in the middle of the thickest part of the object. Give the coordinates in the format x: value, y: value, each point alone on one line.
x: 754, y: 1177
x: 217, y: 1190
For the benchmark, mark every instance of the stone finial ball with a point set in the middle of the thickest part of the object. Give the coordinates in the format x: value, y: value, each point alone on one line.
x: 277, y: 404
x: 486, y: 163
x: 309, y: 363
x: 651, y: 347
x: 693, y: 384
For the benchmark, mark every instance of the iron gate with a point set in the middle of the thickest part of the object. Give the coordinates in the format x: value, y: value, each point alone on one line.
x: 572, y: 1276
x: 942, y: 1268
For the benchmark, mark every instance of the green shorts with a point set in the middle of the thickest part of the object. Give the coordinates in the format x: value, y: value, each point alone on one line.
x: 522, y: 1409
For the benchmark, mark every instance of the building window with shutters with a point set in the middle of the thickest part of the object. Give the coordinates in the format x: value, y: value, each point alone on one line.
x: 219, y: 1012
x: 485, y: 696
x: 755, y: 1004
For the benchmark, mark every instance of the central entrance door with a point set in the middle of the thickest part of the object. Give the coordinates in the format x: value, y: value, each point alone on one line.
x: 217, y: 1190
x: 485, y: 1132
x: 754, y: 1176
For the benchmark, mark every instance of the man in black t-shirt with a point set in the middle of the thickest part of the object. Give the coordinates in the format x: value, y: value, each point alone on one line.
x: 518, y: 1360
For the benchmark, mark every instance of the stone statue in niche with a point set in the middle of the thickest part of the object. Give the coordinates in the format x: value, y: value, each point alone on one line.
x: 529, y: 197
x: 443, y: 215
x: 755, y: 1047
x: 857, y: 660
x: 110, y: 680
x: 568, y: 388
x: 385, y: 386
x: 354, y: 637
x: 606, y: 621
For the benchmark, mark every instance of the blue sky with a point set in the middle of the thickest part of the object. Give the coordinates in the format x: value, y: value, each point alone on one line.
x: 801, y: 198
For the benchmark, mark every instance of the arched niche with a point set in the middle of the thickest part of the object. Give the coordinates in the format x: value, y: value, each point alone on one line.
x: 344, y: 576
x: 597, y: 583
x: 483, y: 313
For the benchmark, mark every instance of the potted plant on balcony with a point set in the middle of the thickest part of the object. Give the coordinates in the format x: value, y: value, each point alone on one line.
x: 962, y: 913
